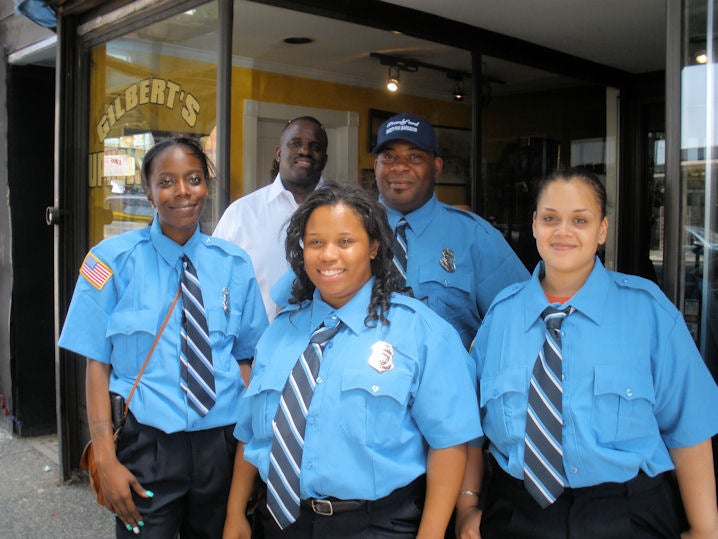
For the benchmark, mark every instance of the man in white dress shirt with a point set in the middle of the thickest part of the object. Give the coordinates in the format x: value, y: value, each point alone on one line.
x: 257, y: 222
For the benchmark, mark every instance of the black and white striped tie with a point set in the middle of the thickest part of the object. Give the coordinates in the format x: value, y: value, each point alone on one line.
x: 196, y: 369
x: 400, y: 250
x: 290, y: 420
x: 544, y: 476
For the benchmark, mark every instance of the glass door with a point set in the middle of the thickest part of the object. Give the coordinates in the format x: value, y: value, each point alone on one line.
x: 699, y: 173
x: 154, y: 83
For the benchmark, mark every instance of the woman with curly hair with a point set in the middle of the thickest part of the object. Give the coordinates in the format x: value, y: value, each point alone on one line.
x: 360, y: 437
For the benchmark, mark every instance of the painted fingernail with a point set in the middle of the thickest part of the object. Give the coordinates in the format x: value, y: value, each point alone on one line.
x: 140, y: 523
x: 136, y: 530
x: 149, y: 493
x: 129, y: 528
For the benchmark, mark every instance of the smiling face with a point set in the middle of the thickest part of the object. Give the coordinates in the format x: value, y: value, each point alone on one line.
x: 405, y: 175
x: 302, y: 155
x: 337, y: 252
x: 568, y: 225
x: 177, y: 187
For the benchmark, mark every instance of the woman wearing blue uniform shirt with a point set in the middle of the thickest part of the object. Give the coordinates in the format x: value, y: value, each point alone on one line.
x: 381, y: 436
x: 175, y: 454
x: 627, y: 394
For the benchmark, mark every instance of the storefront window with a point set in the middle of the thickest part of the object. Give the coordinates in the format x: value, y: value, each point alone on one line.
x: 699, y: 170
x: 157, y: 82
x: 533, y: 123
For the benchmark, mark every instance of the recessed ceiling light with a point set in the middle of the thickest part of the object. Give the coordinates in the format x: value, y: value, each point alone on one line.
x: 297, y: 40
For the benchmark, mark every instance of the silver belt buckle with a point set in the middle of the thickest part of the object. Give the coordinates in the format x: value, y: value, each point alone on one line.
x: 323, y: 507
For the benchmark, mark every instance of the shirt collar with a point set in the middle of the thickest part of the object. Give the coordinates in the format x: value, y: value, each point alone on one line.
x: 418, y: 219
x: 276, y: 188
x: 170, y: 250
x: 352, y: 314
x: 590, y: 299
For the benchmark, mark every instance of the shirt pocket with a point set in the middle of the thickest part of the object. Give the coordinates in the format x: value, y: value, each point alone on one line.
x: 262, y: 396
x: 223, y: 330
x: 503, y: 400
x: 622, y: 405
x: 375, y: 407
x: 131, y: 333
x: 448, y: 293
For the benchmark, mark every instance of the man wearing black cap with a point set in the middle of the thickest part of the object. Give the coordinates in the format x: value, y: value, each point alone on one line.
x: 453, y: 260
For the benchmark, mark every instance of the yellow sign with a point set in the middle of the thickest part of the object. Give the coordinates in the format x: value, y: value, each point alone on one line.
x: 154, y: 91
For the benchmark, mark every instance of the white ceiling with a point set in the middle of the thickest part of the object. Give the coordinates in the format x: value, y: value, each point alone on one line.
x: 624, y: 34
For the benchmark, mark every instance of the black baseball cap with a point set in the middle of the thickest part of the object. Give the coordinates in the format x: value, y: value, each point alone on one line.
x: 408, y: 127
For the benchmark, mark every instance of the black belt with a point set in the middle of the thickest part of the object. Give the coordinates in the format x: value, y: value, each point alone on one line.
x: 330, y: 506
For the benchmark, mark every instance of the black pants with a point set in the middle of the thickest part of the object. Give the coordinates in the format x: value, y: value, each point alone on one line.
x: 395, y: 516
x: 189, y: 474
x: 642, y: 508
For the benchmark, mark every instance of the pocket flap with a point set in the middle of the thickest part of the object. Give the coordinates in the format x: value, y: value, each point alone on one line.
x: 395, y: 384
x: 127, y: 322
x: 618, y: 380
x: 514, y: 380
x: 265, y: 380
x: 437, y: 274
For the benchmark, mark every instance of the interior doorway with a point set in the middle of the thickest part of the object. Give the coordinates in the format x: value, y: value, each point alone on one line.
x: 263, y: 123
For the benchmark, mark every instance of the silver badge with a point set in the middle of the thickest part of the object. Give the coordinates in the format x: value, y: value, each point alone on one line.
x: 448, y: 260
x: 381, y: 356
x: 225, y: 300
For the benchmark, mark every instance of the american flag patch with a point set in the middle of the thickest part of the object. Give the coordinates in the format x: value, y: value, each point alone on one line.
x: 95, y: 271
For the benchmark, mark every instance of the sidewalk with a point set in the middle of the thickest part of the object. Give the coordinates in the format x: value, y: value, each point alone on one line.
x: 33, y: 501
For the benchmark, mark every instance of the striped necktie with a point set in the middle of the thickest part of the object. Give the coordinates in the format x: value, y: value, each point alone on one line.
x: 544, y: 476
x: 285, y: 459
x: 196, y: 369
x: 400, y: 250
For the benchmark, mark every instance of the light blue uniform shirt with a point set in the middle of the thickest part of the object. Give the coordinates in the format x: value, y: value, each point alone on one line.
x: 368, y: 432
x: 634, y: 383
x: 460, y: 291
x: 118, y: 323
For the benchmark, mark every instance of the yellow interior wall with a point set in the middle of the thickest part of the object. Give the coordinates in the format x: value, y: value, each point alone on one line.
x: 199, y: 78
x: 290, y: 90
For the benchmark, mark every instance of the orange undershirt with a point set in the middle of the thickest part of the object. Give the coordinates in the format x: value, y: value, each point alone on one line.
x: 554, y: 299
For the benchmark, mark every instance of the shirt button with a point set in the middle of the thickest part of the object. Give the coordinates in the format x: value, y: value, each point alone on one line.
x: 629, y: 392
x: 329, y: 344
x: 574, y: 470
x: 308, y: 465
x: 311, y: 420
x: 320, y: 380
x: 334, y: 317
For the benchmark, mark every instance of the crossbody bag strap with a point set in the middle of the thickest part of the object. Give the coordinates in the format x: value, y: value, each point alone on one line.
x: 152, y: 349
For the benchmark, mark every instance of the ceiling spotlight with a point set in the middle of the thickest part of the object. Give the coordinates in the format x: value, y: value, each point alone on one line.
x: 701, y: 57
x: 459, y: 91
x: 392, y: 81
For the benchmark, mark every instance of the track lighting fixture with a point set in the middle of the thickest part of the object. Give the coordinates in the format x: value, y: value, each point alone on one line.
x: 458, y: 91
x: 392, y: 80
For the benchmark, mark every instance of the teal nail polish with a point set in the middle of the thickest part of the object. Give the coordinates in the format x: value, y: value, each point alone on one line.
x: 140, y: 523
x: 149, y: 493
x: 129, y: 528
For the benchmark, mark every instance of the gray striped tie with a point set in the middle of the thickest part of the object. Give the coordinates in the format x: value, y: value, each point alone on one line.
x: 400, y: 250
x: 544, y: 476
x: 196, y: 369
x: 285, y: 459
